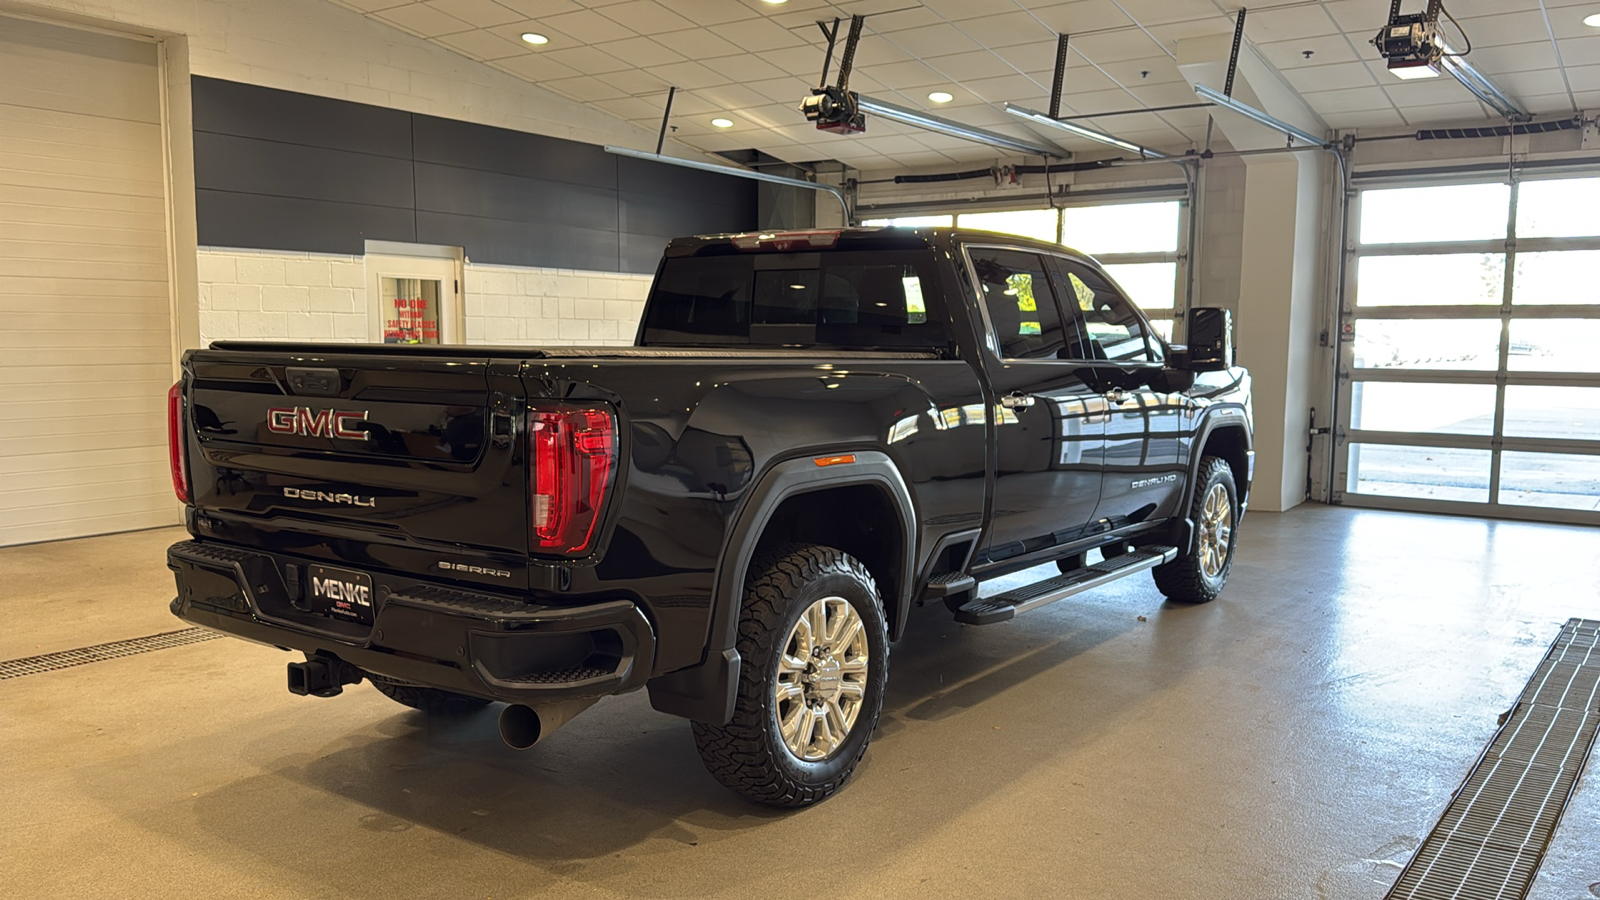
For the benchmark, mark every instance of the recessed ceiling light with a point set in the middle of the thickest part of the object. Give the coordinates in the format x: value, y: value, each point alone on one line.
x: 722, y: 123
x: 775, y: 2
x: 1592, y: 21
x: 535, y: 38
x: 941, y: 96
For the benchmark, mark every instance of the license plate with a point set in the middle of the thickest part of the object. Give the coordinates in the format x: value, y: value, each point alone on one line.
x: 341, y: 593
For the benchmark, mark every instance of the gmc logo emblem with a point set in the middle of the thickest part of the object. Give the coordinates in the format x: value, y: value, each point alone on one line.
x: 328, y: 423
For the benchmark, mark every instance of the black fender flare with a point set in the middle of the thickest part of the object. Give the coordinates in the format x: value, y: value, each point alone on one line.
x: 788, y: 479
x: 705, y: 692
x: 1217, y: 418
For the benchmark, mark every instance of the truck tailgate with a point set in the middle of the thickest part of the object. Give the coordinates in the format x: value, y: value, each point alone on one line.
x: 415, y: 447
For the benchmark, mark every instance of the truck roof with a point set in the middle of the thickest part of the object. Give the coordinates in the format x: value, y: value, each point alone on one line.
x: 860, y: 237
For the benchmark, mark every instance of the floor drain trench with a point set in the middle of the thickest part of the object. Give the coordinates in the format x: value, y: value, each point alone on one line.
x: 66, y: 659
x: 1494, y: 833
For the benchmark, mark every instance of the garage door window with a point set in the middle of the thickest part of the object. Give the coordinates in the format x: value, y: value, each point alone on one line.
x: 1137, y: 243
x: 1471, y: 380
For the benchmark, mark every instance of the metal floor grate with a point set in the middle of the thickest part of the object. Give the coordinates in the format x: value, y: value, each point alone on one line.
x: 1493, y: 835
x: 66, y: 659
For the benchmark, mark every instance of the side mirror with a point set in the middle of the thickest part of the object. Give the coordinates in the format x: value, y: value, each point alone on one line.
x: 1172, y: 380
x: 1210, y: 340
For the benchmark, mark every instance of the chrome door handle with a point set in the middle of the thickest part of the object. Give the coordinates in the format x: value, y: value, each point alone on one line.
x: 1017, y: 400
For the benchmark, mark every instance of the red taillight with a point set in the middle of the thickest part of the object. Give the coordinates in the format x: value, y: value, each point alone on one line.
x: 786, y: 241
x: 571, y: 454
x: 177, y: 454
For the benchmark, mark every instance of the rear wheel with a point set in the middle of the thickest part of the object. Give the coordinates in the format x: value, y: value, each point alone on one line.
x: 433, y: 701
x: 814, y: 653
x: 1198, y: 577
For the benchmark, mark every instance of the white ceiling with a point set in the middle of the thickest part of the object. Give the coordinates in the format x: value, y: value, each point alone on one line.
x: 752, y: 61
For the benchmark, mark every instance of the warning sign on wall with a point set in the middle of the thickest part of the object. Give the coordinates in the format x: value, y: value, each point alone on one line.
x: 410, y: 308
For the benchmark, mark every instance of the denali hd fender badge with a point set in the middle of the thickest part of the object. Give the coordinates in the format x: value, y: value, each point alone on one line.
x: 330, y: 423
x: 1152, y: 482
x: 472, y: 570
x: 326, y: 497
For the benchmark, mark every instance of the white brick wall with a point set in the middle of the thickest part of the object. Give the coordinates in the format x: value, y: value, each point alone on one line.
x: 273, y: 295
x: 264, y: 294
x: 513, y: 305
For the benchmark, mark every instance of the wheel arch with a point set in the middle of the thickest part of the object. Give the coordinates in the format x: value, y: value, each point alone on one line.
x: 787, y: 504
x: 1226, y: 434
x: 1231, y: 441
x: 793, y: 502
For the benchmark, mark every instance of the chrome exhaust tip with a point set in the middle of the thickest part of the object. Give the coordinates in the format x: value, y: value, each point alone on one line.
x: 523, y: 726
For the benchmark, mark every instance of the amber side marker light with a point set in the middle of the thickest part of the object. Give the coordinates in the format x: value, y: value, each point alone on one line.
x: 835, y: 460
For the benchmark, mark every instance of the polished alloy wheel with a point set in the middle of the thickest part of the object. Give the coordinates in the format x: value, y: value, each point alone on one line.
x: 1216, y: 530
x: 822, y: 679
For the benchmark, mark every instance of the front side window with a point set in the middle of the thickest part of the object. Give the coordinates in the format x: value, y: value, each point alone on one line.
x: 1111, y: 328
x: 1021, y: 307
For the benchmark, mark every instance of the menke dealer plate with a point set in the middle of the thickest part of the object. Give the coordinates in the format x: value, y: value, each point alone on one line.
x: 341, y: 593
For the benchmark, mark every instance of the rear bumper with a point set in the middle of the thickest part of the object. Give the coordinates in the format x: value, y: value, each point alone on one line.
x: 501, y: 647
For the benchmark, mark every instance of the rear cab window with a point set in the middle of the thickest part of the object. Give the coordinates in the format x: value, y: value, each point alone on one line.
x: 1018, y: 302
x: 841, y: 298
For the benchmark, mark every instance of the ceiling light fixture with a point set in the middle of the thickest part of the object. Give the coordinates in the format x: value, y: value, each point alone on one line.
x: 534, y: 37
x: 775, y: 2
x: 1412, y: 69
x: 1592, y: 21
x: 722, y: 123
x: 1039, y: 118
x: 941, y: 96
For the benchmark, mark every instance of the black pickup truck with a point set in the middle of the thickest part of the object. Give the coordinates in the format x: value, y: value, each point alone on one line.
x: 814, y: 434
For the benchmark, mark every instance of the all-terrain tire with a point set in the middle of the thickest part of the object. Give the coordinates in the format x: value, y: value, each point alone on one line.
x: 433, y: 701
x: 1187, y: 579
x: 749, y: 754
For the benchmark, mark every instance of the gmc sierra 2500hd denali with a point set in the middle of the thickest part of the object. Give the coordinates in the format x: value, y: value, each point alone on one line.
x: 814, y: 434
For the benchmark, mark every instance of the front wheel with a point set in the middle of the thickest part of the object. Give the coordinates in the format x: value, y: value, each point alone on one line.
x: 1198, y: 576
x: 814, y: 651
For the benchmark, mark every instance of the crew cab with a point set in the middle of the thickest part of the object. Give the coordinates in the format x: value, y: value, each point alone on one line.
x: 815, y: 436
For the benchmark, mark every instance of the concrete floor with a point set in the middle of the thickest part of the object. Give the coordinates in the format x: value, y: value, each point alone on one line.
x: 1295, y: 739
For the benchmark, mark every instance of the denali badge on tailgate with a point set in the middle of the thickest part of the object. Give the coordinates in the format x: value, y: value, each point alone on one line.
x: 331, y: 423
x: 341, y: 593
x: 327, y: 497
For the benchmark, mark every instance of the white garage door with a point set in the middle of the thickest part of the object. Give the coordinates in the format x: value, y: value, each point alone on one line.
x: 85, y: 322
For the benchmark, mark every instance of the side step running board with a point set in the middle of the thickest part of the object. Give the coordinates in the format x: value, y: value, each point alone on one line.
x: 1000, y: 607
x: 948, y: 584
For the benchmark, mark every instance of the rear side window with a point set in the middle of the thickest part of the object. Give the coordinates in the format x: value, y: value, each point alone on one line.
x: 1111, y: 328
x: 1018, y: 300
x: 838, y: 299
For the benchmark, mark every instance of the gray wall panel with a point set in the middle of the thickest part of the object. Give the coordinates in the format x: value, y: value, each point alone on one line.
x: 472, y: 192
x: 246, y: 110
x: 650, y: 214
x: 641, y: 253
x: 253, y: 166
x: 285, y: 171
x: 522, y: 243
x: 466, y: 145
x: 229, y: 219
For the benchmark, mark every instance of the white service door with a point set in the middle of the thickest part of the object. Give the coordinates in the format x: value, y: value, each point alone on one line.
x: 85, y: 316
x: 414, y: 299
